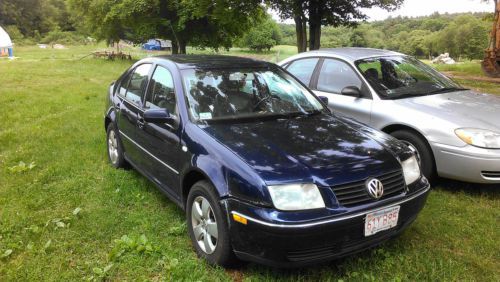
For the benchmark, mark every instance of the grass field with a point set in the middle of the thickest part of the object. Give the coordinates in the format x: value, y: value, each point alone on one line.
x: 67, y: 215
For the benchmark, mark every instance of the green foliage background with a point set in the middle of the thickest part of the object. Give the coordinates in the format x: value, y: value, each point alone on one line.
x: 462, y: 35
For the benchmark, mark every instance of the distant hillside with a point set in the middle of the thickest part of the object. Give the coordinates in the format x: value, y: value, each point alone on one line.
x: 464, y: 36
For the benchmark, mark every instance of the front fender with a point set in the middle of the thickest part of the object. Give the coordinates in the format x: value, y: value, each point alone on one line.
x: 229, y: 174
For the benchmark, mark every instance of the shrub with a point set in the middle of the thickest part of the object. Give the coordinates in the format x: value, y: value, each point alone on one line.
x: 263, y: 36
x: 64, y: 37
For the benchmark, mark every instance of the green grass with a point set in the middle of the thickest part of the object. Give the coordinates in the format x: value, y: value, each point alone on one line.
x: 464, y: 68
x: 51, y: 113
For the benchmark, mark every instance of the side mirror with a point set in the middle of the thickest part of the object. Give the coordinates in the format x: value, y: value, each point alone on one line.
x: 352, y: 91
x: 158, y: 116
x: 324, y: 99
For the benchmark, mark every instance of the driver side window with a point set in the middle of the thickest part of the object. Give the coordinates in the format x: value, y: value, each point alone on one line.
x: 336, y: 75
x: 161, y: 93
x: 137, y: 84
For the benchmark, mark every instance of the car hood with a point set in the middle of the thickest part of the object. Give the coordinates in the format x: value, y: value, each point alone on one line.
x: 320, y: 148
x: 463, y: 108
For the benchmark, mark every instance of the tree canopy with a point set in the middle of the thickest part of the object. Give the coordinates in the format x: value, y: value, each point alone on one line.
x: 313, y: 14
x: 199, y: 23
x: 462, y: 35
x: 34, y: 17
x: 264, y: 35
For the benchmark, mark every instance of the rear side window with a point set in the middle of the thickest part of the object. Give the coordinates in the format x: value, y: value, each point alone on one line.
x: 137, y: 84
x: 303, y: 69
x: 335, y: 76
x: 161, y: 92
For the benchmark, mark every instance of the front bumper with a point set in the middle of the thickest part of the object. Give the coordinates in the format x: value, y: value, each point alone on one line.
x: 299, y: 244
x: 468, y: 163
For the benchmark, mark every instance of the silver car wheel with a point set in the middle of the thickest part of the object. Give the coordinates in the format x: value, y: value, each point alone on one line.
x: 414, y: 150
x: 204, y: 225
x: 113, y: 147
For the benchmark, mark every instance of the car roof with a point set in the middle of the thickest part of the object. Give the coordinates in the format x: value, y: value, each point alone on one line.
x: 213, y: 61
x: 352, y: 53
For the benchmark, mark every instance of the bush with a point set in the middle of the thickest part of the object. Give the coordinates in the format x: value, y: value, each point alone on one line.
x: 14, y: 32
x: 64, y: 37
x: 263, y: 36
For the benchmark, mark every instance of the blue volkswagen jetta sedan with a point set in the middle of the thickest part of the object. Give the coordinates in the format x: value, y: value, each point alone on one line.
x: 264, y: 171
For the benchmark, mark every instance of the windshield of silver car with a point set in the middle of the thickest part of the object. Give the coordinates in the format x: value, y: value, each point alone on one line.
x: 222, y: 94
x: 402, y: 76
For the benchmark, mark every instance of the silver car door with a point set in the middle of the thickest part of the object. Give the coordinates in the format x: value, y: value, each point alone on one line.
x: 332, y: 78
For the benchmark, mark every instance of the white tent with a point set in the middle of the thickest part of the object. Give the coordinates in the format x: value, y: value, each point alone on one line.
x: 5, y: 43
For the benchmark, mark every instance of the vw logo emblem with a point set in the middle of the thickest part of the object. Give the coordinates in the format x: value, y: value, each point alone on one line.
x: 375, y: 188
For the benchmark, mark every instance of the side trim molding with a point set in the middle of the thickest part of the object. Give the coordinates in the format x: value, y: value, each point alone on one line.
x: 147, y: 152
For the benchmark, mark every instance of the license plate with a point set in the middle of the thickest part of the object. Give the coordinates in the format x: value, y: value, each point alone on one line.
x: 381, y: 220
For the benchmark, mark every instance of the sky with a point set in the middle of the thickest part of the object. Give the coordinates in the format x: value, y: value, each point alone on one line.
x: 415, y: 8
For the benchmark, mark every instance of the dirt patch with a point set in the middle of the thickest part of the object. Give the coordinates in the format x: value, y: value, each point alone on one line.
x: 235, y: 274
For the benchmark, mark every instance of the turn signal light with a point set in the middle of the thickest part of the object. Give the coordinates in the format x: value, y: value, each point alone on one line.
x: 240, y: 219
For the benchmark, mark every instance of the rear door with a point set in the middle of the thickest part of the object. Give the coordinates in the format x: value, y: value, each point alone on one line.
x: 330, y: 78
x: 162, y: 140
x: 130, y: 95
x: 303, y: 69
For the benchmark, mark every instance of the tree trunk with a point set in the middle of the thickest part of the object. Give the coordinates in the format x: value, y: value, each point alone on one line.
x: 175, y: 47
x: 314, y: 36
x: 301, y: 33
x: 315, y: 17
x: 182, y: 47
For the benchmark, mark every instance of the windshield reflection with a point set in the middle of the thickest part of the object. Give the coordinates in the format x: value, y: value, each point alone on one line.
x: 222, y: 94
x: 402, y: 76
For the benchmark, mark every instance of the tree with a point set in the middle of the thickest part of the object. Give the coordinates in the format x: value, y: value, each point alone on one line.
x: 203, y: 23
x: 263, y: 35
x: 32, y: 17
x: 318, y: 13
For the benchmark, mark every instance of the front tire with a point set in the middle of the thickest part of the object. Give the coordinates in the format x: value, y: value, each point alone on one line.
x: 421, y: 149
x: 114, y: 146
x: 207, y: 226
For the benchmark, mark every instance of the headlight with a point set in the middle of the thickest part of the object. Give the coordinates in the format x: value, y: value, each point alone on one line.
x: 479, y: 137
x: 411, y: 170
x: 295, y: 197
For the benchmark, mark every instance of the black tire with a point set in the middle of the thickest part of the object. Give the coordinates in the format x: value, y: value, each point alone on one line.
x: 223, y: 254
x: 119, y: 160
x: 424, y: 152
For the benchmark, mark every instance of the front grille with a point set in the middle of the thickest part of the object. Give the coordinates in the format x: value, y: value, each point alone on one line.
x: 352, y: 240
x: 491, y: 174
x: 355, y: 193
x: 313, y: 254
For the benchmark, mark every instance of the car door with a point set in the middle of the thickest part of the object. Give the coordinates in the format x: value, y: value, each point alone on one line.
x: 162, y: 140
x: 331, y: 77
x: 303, y: 69
x: 129, y: 104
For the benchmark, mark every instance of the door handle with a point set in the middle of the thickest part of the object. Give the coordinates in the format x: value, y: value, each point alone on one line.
x: 140, y: 122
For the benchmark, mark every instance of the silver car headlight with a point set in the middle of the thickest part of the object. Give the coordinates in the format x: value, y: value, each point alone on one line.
x: 411, y: 170
x: 479, y: 137
x: 295, y: 197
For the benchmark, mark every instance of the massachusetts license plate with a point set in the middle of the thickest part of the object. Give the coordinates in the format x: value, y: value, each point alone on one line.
x: 381, y: 220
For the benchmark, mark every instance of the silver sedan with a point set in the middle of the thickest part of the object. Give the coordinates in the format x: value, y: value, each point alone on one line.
x: 455, y: 132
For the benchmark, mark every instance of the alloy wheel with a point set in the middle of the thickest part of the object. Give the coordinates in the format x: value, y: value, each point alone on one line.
x: 113, y: 147
x: 204, y: 225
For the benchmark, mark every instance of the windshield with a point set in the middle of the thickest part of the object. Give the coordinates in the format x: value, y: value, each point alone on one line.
x: 215, y: 94
x: 401, y: 76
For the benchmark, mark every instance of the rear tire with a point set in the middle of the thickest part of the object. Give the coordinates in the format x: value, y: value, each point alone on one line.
x: 203, y: 211
x: 421, y: 148
x: 114, y: 146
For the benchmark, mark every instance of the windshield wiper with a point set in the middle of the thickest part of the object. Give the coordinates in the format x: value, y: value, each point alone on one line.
x: 447, y: 89
x: 437, y: 91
